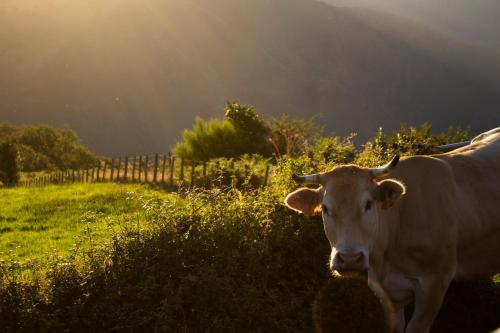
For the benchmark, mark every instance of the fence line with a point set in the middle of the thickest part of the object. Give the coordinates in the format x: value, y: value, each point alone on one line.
x: 160, y: 170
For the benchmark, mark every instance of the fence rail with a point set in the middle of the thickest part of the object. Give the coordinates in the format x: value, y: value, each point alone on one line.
x: 156, y: 169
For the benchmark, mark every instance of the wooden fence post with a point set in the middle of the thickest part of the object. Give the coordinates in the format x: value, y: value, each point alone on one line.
x: 146, y: 165
x: 181, y: 177
x: 172, y: 167
x: 134, y: 160
x: 112, y: 169
x: 118, y: 169
x: 266, y: 177
x: 163, y: 168
x: 104, y: 171
x: 98, y: 170
x: 140, y: 167
x: 125, y: 171
x: 155, y: 170
x: 87, y: 175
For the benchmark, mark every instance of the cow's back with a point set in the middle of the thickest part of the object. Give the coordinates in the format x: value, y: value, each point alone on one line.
x: 476, y: 171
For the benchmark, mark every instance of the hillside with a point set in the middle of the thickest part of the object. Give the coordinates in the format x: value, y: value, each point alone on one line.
x: 127, y: 75
x: 475, y: 21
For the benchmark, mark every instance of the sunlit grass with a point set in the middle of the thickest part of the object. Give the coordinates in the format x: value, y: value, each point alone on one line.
x: 35, y: 222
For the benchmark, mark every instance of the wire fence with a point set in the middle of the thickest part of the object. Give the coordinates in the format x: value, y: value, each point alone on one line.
x: 159, y: 169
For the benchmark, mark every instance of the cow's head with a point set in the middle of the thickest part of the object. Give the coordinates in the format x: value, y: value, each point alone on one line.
x: 350, y: 199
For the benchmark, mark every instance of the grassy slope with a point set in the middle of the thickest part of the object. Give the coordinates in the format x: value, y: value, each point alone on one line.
x: 35, y: 221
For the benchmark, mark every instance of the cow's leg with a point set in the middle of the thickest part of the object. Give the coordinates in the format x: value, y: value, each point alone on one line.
x: 400, y: 320
x: 429, y: 295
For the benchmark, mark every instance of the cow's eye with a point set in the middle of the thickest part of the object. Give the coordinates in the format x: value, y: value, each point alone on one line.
x: 368, y: 205
x: 324, y: 209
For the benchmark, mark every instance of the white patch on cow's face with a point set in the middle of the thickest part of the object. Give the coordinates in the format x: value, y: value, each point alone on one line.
x: 350, y: 220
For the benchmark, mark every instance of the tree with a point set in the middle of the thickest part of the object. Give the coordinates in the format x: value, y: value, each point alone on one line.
x: 251, y: 129
x: 242, y: 131
x: 47, y: 148
x: 9, y: 175
x: 212, y: 139
x: 294, y: 137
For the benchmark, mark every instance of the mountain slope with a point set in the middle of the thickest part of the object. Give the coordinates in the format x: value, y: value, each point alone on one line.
x: 475, y: 21
x: 128, y: 75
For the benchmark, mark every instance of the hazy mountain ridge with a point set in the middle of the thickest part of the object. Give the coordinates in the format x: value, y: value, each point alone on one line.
x: 128, y: 76
x: 475, y: 21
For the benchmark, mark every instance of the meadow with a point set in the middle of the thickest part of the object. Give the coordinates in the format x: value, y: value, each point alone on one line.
x: 56, y: 220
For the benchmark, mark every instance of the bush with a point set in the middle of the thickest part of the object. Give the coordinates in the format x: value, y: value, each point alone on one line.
x: 241, y: 132
x: 251, y: 128
x: 219, y: 260
x: 43, y: 148
x: 9, y: 175
x: 407, y: 141
x: 207, y: 140
x: 294, y: 137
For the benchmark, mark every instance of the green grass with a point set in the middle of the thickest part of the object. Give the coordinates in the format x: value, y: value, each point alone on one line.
x: 35, y: 222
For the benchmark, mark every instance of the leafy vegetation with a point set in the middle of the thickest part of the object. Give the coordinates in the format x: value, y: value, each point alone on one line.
x: 242, y: 131
x: 41, y: 148
x: 230, y: 258
x: 409, y: 140
x: 9, y: 175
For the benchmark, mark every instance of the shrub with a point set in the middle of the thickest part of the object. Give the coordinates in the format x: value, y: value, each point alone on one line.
x: 252, y: 131
x: 42, y: 148
x: 217, y: 260
x: 207, y: 140
x: 294, y: 137
x: 241, y: 132
x: 9, y: 175
x: 407, y: 141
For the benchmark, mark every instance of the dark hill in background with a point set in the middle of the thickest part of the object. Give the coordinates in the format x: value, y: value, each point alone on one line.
x: 476, y: 21
x: 128, y: 76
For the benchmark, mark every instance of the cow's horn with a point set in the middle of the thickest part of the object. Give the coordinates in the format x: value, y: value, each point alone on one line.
x: 309, y: 179
x: 386, y: 168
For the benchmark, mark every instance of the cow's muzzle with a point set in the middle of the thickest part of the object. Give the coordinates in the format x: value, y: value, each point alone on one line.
x: 346, y: 262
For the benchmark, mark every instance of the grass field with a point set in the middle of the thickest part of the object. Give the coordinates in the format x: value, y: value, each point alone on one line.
x: 36, y: 222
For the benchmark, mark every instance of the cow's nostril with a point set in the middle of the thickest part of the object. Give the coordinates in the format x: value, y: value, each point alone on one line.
x: 349, y: 261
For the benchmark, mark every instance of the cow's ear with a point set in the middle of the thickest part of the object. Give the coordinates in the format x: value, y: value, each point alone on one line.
x: 305, y: 200
x: 388, y: 192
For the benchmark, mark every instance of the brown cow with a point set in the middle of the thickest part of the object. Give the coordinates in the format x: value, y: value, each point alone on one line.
x: 414, y: 225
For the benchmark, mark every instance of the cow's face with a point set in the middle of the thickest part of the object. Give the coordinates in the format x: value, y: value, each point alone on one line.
x: 349, y: 200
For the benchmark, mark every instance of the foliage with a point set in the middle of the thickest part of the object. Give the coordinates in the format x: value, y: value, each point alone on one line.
x: 294, y: 137
x: 212, y: 139
x: 251, y: 128
x: 408, y: 140
x: 9, y: 175
x: 47, y: 148
x: 218, y: 260
x: 242, y: 131
x: 230, y: 258
x: 331, y: 151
